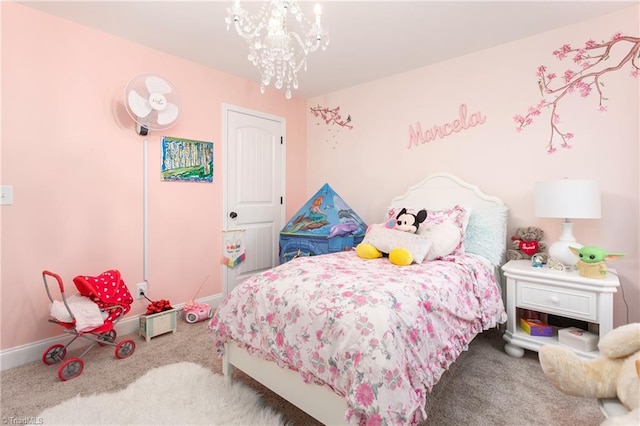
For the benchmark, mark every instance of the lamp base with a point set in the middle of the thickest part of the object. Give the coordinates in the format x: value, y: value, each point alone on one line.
x: 560, y: 249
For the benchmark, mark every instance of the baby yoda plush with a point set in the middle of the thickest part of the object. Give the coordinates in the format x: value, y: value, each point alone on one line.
x: 591, y: 261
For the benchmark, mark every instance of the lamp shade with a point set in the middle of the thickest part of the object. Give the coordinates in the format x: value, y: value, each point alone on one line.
x: 568, y: 199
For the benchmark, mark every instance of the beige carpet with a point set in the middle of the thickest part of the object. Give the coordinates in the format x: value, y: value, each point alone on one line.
x: 484, y: 387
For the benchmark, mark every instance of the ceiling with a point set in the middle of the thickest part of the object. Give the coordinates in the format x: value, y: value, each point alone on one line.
x: 369, y: 39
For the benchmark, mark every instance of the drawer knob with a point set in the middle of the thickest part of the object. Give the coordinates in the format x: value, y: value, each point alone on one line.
x: 554, y: 299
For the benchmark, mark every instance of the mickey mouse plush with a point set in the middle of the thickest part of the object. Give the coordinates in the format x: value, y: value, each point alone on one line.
x: 409, y: 222
x: 396, y: 238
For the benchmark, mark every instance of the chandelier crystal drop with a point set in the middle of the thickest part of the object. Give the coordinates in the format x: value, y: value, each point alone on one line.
x: 279, y: 39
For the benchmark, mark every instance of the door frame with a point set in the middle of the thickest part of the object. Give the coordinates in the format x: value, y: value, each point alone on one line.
x: 226, y: 108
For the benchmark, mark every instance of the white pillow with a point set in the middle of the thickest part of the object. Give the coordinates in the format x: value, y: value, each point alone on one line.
x: 385, y: 240
x: 445, y: 238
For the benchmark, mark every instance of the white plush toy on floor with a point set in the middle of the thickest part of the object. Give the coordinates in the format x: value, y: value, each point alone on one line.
x: 615, y: 373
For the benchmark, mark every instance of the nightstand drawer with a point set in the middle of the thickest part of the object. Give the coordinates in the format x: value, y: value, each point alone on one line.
x: 570, y: 303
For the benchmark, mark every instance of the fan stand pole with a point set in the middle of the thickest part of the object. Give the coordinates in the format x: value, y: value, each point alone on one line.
x: 145, y: 210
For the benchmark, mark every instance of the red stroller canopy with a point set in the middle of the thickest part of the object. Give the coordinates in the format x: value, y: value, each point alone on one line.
x: 107, y: 290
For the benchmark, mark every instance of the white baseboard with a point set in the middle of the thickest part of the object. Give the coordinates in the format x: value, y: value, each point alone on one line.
x: 24, y: 354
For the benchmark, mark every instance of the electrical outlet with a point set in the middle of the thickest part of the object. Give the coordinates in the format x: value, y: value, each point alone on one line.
x: 6, y: 195
x: 142, y: 288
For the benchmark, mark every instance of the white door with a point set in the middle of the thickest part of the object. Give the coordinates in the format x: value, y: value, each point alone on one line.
x: 254, y: 188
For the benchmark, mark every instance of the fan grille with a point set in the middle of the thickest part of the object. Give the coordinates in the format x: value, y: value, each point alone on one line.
x: 153, y: 102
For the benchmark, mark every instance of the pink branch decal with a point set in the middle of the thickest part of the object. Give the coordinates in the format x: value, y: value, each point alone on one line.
x: 331, y: 116
x: 586, y: 79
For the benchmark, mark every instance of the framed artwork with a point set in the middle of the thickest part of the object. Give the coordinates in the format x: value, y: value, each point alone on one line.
x: 187, y: 160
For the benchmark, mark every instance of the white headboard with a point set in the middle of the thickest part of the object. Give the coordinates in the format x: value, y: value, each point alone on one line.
x: 441, y: 191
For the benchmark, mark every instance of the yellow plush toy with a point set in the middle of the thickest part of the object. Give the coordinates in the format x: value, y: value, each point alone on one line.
x: 397, y: 256
x: 612, y: 374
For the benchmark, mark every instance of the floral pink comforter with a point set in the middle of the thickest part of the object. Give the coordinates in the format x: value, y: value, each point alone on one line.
x: 378, y: 334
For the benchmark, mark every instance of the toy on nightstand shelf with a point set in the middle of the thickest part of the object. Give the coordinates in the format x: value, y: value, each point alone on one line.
x: 536, y: 327
x: 196, y: 312
x: 591, y: 261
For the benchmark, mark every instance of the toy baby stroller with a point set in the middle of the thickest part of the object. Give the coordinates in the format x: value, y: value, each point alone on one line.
x: 102, y: 301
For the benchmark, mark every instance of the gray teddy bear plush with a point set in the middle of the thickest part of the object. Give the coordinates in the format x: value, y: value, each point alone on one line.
x: 527, y: 242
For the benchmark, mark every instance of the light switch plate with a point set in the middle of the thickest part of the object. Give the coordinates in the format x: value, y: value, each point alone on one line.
x: 6, y: 195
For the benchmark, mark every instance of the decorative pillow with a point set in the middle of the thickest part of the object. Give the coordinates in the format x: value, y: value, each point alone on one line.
x: 385, y: 240
x: 486, y: 233
x: 445, y: 238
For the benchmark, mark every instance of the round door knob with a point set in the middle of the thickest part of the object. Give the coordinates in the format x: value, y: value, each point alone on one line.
x: 233, y: 215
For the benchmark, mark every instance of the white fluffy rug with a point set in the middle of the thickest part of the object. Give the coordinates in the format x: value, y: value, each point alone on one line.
x: 177, y: 394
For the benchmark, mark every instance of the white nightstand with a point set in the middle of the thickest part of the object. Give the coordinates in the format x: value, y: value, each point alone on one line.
x: 565, y: 294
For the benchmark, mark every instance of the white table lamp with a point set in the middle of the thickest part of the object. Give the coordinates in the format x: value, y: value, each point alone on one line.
x: 567, y: 199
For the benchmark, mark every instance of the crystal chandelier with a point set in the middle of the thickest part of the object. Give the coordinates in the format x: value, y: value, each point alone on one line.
x: 279, y: 39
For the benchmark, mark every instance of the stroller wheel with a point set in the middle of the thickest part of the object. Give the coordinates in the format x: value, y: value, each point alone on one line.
x: 70, y: 368
x: 108, y: 337
x: 125, y: 348
x: 53, y: 354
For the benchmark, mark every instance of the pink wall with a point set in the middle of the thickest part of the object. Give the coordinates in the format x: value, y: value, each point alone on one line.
x: 370, y: 164
x: 75, y: 162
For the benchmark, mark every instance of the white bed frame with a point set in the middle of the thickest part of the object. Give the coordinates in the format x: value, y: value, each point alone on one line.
x: 437, y: 191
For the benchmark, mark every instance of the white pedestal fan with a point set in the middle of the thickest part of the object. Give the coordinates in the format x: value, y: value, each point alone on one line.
x: 154, y: 104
